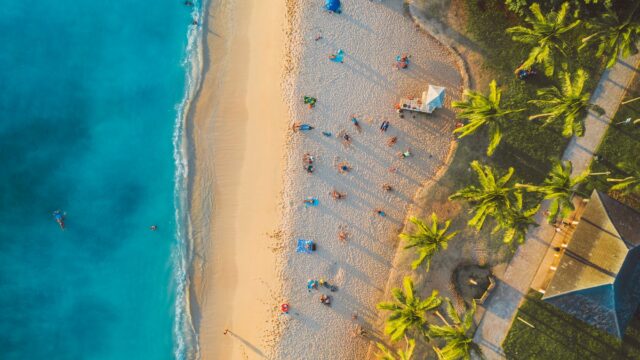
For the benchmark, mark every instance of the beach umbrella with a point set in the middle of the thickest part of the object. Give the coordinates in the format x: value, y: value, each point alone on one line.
x: 332, y: 5
x: 434, y: 98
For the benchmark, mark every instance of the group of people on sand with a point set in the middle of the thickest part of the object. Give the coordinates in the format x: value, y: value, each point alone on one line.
x: 343, y: 167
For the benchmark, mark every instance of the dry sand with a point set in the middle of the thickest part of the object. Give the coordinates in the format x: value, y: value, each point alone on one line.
x: 371, y: 34
x: 237, y: 133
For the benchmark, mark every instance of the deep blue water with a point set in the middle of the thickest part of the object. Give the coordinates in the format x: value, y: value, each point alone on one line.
x: 88, y: 99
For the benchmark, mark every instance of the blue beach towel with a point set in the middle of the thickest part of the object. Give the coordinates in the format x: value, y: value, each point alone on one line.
x: 314, y: 202
x: 333, y: 6
x: 305, y: 246
x: 339, y: 57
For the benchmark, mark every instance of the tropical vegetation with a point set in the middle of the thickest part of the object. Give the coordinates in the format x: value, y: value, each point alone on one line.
x: 613, y: 36
x: 559, y: 187
x: 546, y: 35
x: 483, y: 111
x: 630, y: 183
x: 400, y: 354
x: 408, y: 311
x: 569, y: 103
x: 518, y: 221
x: 427, y: 239
x: 493, y: 196
x: 456, y: 334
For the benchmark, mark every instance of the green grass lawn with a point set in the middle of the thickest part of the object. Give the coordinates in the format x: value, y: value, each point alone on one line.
x: 620, y: 144
x: 560, y: 336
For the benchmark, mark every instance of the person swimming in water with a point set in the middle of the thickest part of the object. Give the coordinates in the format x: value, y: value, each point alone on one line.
x: 58, y: 215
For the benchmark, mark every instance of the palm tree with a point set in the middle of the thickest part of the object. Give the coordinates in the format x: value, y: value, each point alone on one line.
x: 408, y: 311
x: 405, y: 354
x: 459, y: 343
x: 559, y: 187
x: 613, y: 36
x: 570, y: 103
x: 428, y: 240
x: 545, y: 35
x: 630, y: 183
x: 518, y: 221
x: 493, y: 197
x: 481, y: 111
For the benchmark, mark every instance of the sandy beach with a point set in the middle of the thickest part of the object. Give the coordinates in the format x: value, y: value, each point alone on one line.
x: 246, y: 182
x: 236, y: 134
x: 366, y: 86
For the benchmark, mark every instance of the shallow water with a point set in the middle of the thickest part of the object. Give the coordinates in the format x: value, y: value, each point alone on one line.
x: 88, y: 99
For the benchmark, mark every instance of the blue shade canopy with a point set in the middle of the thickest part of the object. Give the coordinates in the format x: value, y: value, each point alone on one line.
x: 332, y: 5
x: 435, y: 97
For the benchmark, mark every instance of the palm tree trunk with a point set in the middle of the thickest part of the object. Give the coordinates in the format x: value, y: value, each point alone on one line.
x: 442, y: 318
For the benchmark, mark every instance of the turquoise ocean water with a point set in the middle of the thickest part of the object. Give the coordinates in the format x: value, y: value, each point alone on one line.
x: 91, y: 94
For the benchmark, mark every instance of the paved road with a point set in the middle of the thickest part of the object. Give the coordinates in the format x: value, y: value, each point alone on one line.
x: 515, y: 283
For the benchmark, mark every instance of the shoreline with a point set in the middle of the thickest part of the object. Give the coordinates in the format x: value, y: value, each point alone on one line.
x: 236, y: 132
x: 360, y: 266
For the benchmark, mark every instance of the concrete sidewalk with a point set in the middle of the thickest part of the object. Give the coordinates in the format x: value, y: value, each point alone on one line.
x: 511, y: 288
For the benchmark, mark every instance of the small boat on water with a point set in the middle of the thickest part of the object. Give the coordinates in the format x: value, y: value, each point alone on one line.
x: 59, y: 216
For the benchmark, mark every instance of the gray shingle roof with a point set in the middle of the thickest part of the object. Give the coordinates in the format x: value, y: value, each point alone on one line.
x: 597, y: 277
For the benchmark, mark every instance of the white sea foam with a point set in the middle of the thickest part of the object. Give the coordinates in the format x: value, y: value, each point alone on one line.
x: 185, y: 335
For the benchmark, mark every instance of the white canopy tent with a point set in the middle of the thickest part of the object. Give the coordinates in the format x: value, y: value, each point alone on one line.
x: 431, y: 99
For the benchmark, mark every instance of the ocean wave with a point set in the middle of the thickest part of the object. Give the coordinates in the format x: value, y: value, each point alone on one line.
x: 185, y: 335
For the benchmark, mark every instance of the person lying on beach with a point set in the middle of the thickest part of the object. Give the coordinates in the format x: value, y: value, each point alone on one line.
x: 346, y: 138
x: 325, y: 299
x: 336, y: 195
x: 309, y: 168
x: 343, y: 235
x: 311, y: 101
x: 337, y: 57
x: 380, y: 212
x: 307, y: 158
x: 392, y: 141
x: 355, y: 122
x: 327, y: 134
x: 387, y: 187
x: 405, y: 154
x: 310, y: 202
x: 384, y: 126
x: 312, y: 285
x: 344, y: 167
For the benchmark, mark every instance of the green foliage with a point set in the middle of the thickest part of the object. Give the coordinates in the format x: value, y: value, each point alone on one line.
x: 518, y: 221
x: 569, y: 103
x: 519, y: 6
x: 559, y: 187
x: 408, y: 312
x: 630, y: 183
x: 546, y: 35
x: 558, y: 335
x: 406, y: 354
x: 613, y: 36
x: 492, y: 197
x: 619, y: 150
x: 458, y: 340
x: 483, y: 111
x: 427, y: 240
